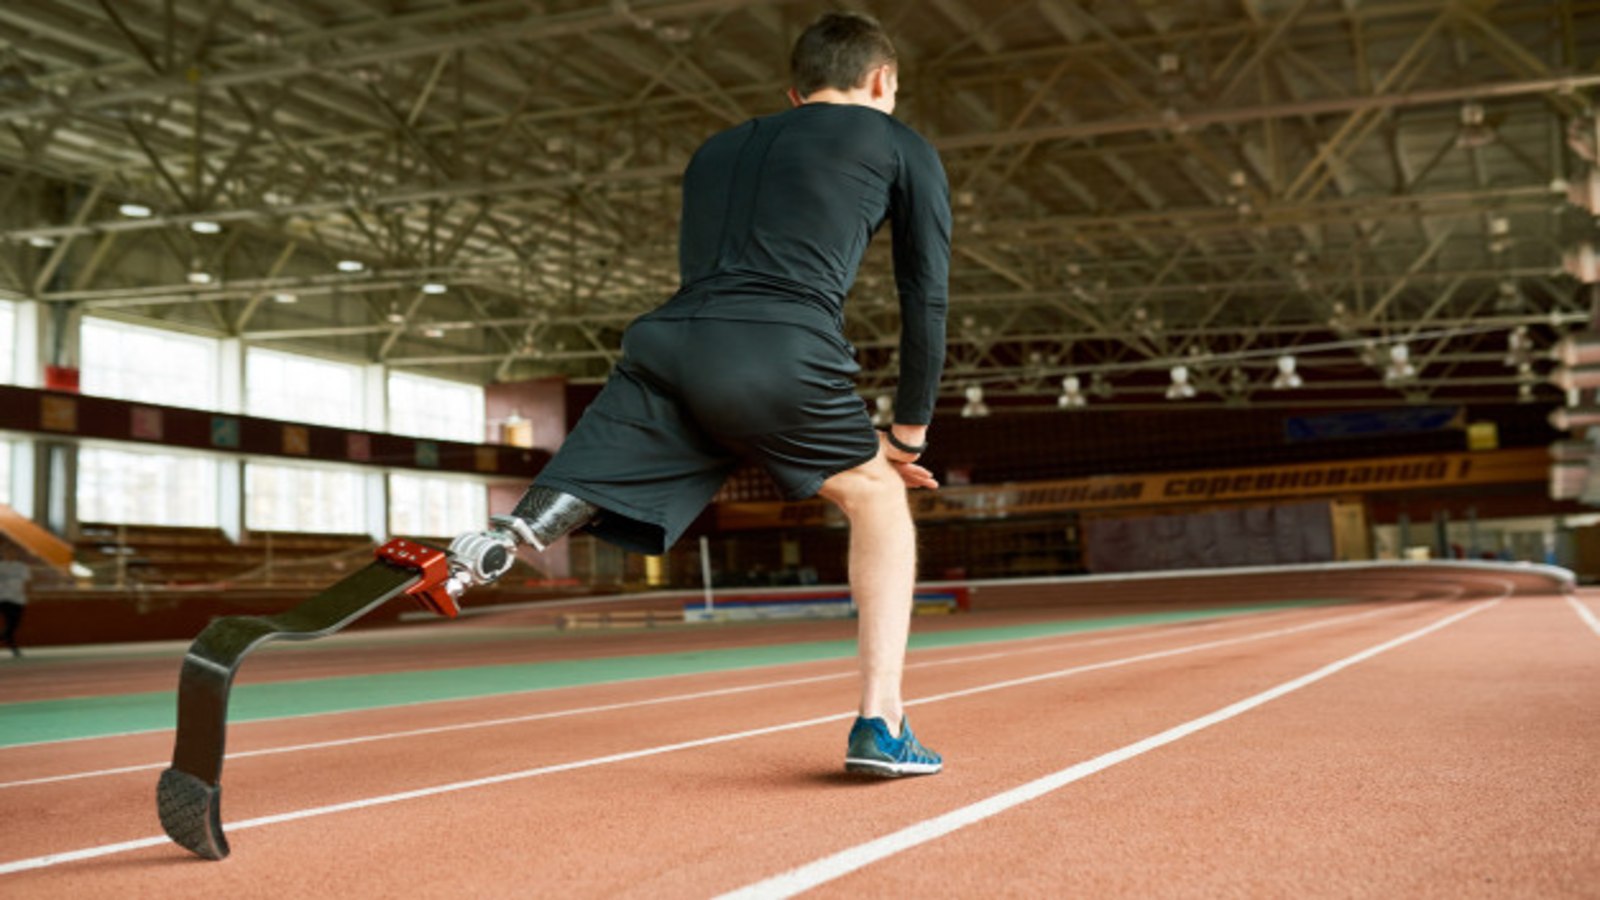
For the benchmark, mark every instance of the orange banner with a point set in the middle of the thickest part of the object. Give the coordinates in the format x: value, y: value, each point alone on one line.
x: 1356, y: 476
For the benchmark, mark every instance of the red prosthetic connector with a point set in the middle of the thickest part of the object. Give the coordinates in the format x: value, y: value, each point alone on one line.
x: 433, y: 564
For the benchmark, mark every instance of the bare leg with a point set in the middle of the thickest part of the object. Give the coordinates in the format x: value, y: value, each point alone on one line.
x: 883, y: 567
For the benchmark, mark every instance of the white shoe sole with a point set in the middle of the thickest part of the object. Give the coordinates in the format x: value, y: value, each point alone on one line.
x: 889, y: 770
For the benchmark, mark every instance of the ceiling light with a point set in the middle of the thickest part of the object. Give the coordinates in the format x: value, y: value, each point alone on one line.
x: 1526, y: 379
x: 885, y: 412
x: 1474, y: 133
x: 265, y: 33
x: 43, y: 242
x: 1100, y: 386
x: 134, y: 210
x: 1287, y: 379
x: 205, y: 226
x: 1071, y: 394
x: 433, y: 332
x: 673, y: 34
x: 200, y: 276
x: 975, y: 407
x: 284, y: 297
x: 1400, y: 368
x: 1180, y: 389
x: 350, y: 265
x: 1509, y: 298
x: 434, y: 287
x: 1519, y: 348
x: 1169, y: 74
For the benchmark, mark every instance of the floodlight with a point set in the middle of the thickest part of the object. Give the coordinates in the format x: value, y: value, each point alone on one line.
x: 1400, y: 368
x: 1071, y: 394
x: 975, y: 408
x: 1180, y: 388
x: 1287, y: 378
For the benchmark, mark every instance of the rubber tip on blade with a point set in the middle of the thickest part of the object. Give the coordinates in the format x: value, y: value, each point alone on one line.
x: 191, y: 813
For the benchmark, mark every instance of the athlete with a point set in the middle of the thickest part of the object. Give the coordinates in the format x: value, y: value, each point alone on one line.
x: 749, y: 361
x: 14, y: 574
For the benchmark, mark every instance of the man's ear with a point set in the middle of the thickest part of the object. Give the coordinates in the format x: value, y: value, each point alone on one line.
x: 794, y: 97
x: 878, y: 81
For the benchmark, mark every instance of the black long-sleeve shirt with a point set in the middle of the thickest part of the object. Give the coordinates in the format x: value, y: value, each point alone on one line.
x: 778, y: 212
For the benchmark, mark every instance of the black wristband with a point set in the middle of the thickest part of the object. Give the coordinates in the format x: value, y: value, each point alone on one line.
x: 902, y: 446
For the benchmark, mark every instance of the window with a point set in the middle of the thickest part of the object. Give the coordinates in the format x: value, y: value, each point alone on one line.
x: 8, y: 342
x: 427, y: 506
x: 152, y: 365
x: 425, y: 407
x: 329, y: 500
x: 133, y: 487
x: 298, y: 388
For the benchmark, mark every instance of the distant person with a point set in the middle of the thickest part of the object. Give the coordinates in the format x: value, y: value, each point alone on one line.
x: 14, y: 574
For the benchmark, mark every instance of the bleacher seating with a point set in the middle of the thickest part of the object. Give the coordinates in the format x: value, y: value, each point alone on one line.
x: 296, y: 559
x: 164, y: 555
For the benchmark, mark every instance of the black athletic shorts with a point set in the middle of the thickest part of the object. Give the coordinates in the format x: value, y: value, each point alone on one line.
x: 688, y: 401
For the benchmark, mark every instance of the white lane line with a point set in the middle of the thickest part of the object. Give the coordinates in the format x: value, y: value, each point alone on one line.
x: 1585, y: 614
x: 828, y: 868
x: 39, y: 862
x: 1071, y: 643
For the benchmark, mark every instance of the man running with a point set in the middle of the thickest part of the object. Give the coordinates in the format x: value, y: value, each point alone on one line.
x: 14, y: 573
x: 749, y: 361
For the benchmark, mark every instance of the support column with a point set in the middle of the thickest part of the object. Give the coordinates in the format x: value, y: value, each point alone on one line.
x: 55, y: 496
x: 375, y: 486
x: 60, y: 334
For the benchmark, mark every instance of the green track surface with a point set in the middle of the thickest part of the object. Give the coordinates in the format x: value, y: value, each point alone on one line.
x: 114, y: 714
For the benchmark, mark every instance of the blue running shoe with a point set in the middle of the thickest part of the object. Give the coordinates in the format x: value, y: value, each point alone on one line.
x: 874, y: 751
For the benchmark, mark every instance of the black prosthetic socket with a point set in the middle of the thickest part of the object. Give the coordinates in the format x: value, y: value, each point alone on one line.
x: 552, y: 515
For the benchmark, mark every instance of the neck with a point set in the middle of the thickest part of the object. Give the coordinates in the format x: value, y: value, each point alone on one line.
x: 842, y: 98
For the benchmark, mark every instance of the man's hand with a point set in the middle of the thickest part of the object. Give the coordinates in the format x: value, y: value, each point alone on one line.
x: 905, y: 464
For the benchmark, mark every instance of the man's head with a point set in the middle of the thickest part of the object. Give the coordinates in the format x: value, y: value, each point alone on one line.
x: 844, y: 57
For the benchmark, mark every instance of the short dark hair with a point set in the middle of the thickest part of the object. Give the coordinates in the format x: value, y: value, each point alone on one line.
x: 837, y: 51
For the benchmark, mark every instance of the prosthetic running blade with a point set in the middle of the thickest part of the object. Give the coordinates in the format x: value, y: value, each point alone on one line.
x: 188, y: 796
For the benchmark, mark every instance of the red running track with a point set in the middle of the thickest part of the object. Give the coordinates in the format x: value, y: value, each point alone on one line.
x: 1439, y: 741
